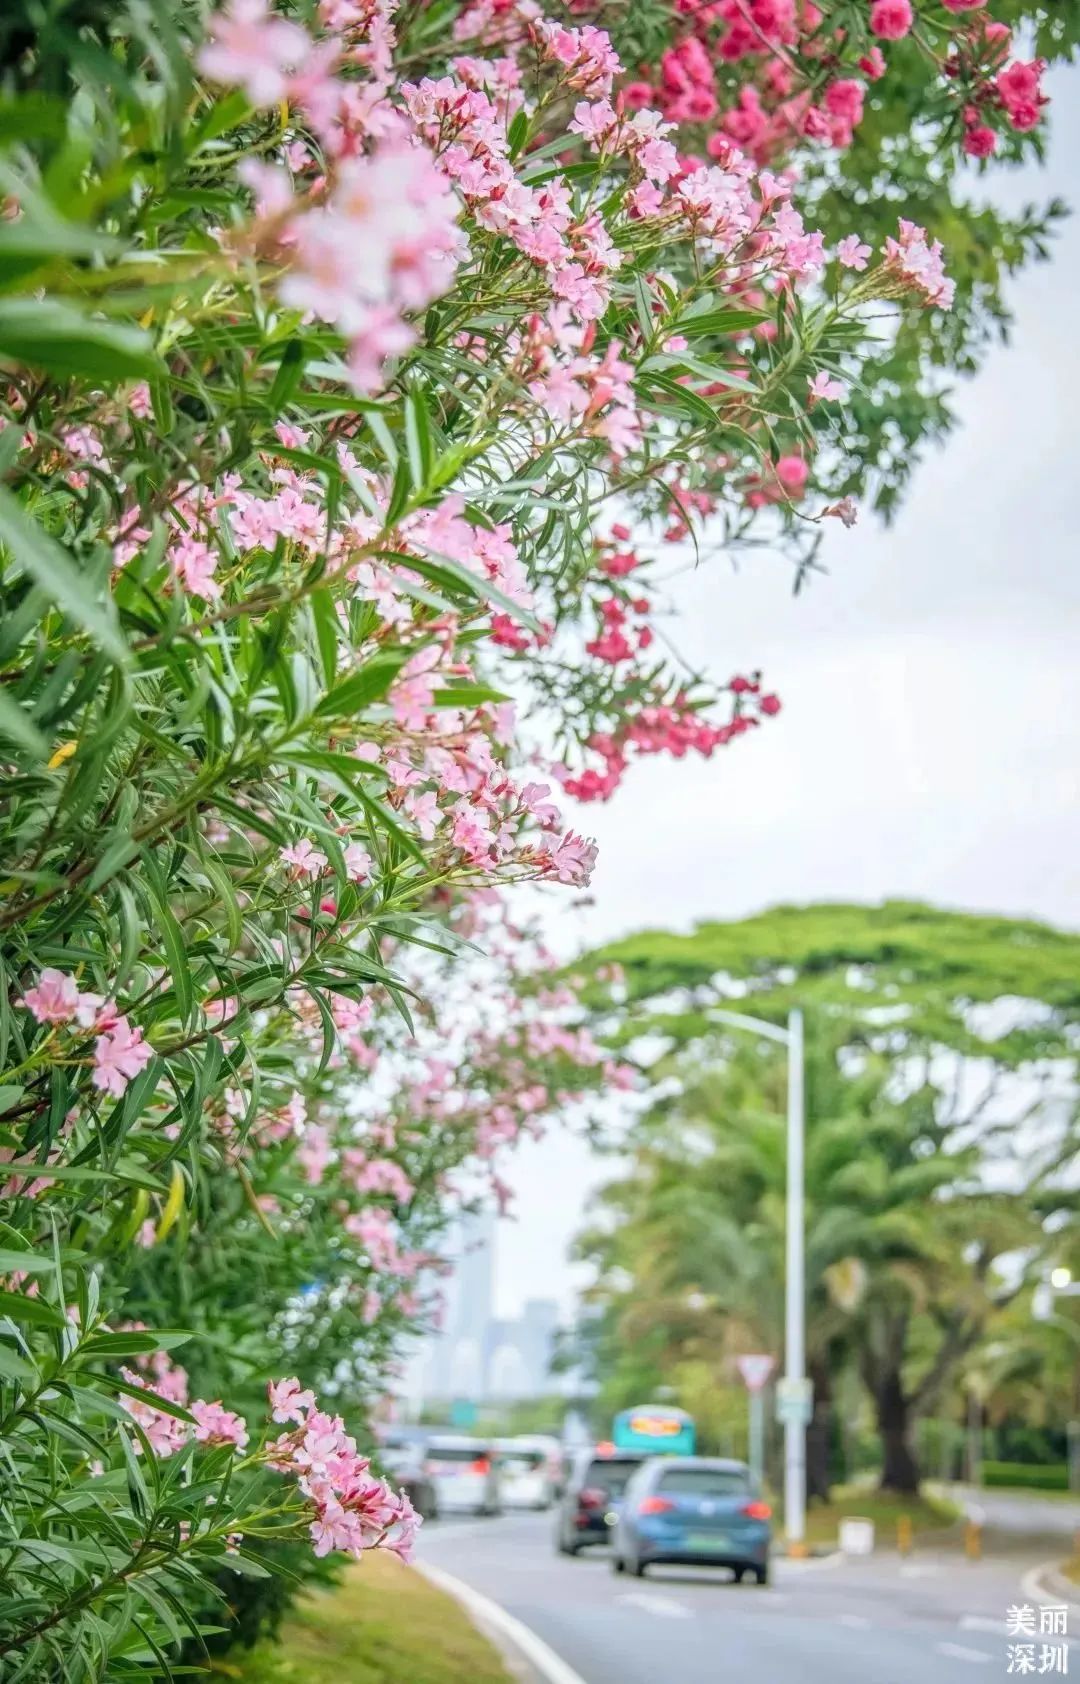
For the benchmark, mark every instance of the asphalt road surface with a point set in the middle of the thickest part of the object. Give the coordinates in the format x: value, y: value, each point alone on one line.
x: 933, y: 1619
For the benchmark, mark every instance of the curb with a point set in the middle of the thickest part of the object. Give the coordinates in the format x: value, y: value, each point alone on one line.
x: 527, y: 1655
x: 1046, y: 1583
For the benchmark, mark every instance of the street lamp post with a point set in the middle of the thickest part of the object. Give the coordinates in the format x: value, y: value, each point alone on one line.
x: 795, y: 1262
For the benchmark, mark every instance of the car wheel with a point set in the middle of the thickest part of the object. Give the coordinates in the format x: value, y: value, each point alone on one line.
x: 567, y: 1549
x: 636, y: 1567
x: 618, y: 1565
x: 738, y: 1574
x: 762, y: 1575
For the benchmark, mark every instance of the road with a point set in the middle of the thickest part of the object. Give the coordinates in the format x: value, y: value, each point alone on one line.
x: 934, y: 1619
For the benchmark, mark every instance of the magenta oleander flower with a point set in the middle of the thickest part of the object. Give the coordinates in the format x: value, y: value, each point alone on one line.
x: 891, y: 19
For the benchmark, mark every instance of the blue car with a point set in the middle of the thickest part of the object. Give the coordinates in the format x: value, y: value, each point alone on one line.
x: 696, y: 1510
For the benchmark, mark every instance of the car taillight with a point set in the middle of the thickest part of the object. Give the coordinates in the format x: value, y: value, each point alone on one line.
x: 589, y: 1497
x: 756, y: 1511
x: 481, y: 1466
x: 656, y: 1505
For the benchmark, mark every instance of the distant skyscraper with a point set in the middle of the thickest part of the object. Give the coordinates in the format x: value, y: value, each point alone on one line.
x: 476, y: 1356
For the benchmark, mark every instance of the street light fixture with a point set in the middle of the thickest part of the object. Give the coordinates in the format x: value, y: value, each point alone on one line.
x: 794, y: 1382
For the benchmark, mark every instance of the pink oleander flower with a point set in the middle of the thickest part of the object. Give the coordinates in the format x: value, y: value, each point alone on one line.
x: 891, y: 20
x: 846, y: 511
x: 851, y: 253
x: 572, y: 860
x: 304, y: 859
x: 249, y: 48
x: 823, y: 388
x: 193, y: 563
x: 423, y: 809
x: 919, y: 263
x: 287, y: 1401
x: 217, y: 1425
x: 55, y: 998
x: 119, y: 1055
x: 357, y: 863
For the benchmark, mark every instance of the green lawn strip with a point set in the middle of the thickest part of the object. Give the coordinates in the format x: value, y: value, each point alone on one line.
x: 926, y: 1513
x: 1071, y: 1569
x: 385, y: 1624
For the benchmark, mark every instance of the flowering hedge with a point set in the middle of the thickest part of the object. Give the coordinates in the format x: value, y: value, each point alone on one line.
x: 354, y: 369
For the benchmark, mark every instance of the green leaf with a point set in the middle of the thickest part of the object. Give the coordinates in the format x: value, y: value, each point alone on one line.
x: 21, y: 1308
x: 418, y: 439
x: 50, y: 566
x: 467, y: 696
x: 30, y: 1262
x: 65, y: 341
x: 17, y: 726
x: 355, y: 692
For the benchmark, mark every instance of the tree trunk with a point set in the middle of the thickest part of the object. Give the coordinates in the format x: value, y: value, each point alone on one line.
x: 819, y: 1433
x: 899, y: 1470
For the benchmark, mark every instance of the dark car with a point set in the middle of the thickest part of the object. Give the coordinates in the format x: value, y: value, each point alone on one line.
x: 589, y: 1506
x: 697, y: 1510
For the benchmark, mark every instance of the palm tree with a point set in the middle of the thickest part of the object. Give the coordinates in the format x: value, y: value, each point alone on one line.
x: 901, y: 1236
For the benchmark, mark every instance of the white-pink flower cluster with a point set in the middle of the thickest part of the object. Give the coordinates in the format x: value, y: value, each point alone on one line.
x: 120, y: 1050
x: 919, y: 263
x: 354, y: 1509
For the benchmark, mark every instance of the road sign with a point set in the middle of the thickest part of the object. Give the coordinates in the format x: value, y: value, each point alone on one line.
x: 755, y: 1370
x: 794, y: 1401
x: 463, y: 1412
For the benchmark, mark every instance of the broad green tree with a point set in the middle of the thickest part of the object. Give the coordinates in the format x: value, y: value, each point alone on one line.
x: 938, y: 1125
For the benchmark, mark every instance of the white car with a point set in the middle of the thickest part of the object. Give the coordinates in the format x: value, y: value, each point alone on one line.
x: 464, y: 1474
x: 526, y: 1474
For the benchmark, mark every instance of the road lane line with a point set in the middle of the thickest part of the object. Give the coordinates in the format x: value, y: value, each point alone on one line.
x: 854, y: 1622
x: 957, y: 1652
x: 655, y: 1603
x: 551, y: 1667
x: 979, y: 1622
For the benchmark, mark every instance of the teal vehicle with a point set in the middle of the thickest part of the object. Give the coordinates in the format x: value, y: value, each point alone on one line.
x: 655, y: 1429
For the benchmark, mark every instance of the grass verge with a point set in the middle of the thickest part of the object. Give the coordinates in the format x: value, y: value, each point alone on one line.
x: 926, y: 1513
x: 384, y: 1625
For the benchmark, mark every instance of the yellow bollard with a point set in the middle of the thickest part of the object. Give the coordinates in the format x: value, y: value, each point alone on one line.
x: 904, y: 1534
x: 797, y: 1550
x: 973, y: 1540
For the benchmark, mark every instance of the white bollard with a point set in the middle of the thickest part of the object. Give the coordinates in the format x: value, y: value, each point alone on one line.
x: 856, y: 1536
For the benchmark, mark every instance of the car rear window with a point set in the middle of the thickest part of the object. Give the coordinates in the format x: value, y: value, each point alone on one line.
x: 456, y: 1453
x: 704, y: 1482
x: 610, y: 1475
x: 524, y: 1458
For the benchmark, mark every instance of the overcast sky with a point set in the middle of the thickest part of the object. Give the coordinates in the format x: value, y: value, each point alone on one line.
x: 928, y: 745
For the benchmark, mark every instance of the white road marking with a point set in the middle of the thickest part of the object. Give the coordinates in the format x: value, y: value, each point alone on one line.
x: 854, y: 1622
x: 957, y: 1652
x: 551, y: 1667
x: 916, y: 1570
x: 979, y: 1622
x: 654, y: 1603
